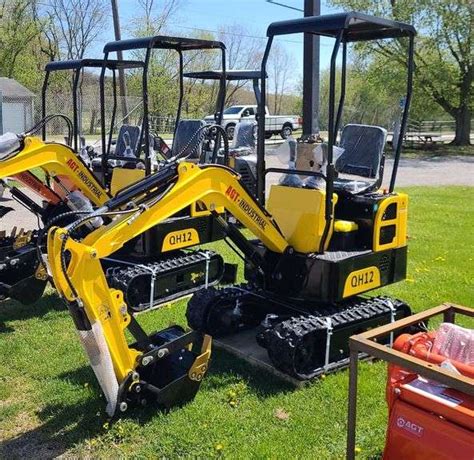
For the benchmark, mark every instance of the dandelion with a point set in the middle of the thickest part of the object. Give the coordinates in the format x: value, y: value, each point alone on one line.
x: 219, y: 447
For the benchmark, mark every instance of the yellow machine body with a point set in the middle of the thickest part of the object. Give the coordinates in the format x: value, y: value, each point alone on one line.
x: 123, y: 177
x: 300, y: 215
x: 391, y: 218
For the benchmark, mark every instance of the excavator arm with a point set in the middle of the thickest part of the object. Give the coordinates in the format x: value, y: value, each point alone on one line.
x: 55, y: 160
x: 214, y: 186
x: 22, y: 276
x: 101, y: 311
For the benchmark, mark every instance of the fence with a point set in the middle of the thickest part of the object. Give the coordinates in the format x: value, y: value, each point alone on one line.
x: 89, y: 113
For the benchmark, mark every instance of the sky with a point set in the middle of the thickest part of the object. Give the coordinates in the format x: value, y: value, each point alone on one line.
x: 208, y: 15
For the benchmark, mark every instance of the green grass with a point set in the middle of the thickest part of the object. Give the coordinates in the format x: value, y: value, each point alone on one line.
x: 50, y: 402
x: 441, y: 150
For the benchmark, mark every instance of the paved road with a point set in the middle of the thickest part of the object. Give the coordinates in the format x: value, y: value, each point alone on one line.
x: 453, y: 170
x: 436, y: 171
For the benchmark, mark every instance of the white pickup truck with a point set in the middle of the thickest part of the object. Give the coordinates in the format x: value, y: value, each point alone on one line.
x: 284, y: 125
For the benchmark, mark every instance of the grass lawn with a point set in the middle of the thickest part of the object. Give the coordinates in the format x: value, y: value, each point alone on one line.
x: 50, y: 402
x: 442, y: 150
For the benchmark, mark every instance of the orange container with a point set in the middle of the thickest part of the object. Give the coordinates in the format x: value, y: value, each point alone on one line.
x: 426, y: 419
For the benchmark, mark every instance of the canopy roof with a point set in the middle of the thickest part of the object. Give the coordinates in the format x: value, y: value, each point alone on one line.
x: 356, y: 27
x: 230, y: 75
x: 163, y: 42
x: 81, y: 63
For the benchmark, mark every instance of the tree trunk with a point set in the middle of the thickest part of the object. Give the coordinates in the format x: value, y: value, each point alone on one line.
x: 92, y: 123
x: 463, y: 126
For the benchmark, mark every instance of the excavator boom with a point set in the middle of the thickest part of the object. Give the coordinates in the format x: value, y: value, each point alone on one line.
x: 80, y: 278
x: 55, y: 160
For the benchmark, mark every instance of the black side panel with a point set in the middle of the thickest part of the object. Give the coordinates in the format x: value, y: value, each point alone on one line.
x: 205, y: 226
x: 322, y: 279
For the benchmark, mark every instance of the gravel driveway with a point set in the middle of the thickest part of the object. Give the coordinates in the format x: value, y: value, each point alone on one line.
x: 436, y: 171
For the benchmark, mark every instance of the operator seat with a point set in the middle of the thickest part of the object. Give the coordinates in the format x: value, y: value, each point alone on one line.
x: 242, y: 153
x: 363, y: 156
x: 127, y: 141
x: 188, y: 139
x: 126, y: 146
x: 245, y: 139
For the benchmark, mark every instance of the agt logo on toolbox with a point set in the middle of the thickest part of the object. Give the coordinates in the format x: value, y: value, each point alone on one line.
x: 249, y: 210
x: 83, y: 177
x: 409, y: 426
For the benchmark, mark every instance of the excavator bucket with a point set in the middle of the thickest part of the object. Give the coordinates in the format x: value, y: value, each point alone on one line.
x: 171, y: 368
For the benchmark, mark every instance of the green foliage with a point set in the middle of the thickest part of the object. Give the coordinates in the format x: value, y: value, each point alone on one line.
x: 18, y: 28
x: 443, y: 56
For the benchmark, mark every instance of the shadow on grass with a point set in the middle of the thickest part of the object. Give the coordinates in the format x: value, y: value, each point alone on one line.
x: 11, y: 310
x: 65, y: 425
x: 227, y: 369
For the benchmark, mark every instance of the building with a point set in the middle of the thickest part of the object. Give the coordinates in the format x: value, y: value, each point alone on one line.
x: 16, y: 106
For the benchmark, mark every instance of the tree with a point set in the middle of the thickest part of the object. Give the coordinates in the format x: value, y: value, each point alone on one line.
x: 151, y: 23
x: 280, y: 66
x: 71, y: 26
x: 443, y: 54
x: 17, y: 30
x: 243, y: 52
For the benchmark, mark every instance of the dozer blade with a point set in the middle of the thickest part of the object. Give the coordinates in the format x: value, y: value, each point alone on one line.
x: 28, y: 290
x: 19, y: 269
x: 4, y: 210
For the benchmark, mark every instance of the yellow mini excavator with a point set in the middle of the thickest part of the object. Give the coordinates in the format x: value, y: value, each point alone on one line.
x: 315, y: 252
x: 77, y: 178
x: 332, y: 237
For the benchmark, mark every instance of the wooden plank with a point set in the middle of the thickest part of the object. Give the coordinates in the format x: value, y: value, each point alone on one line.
x: 244, y: 346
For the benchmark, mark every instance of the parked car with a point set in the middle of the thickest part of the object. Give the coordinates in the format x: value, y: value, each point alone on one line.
x: 284, y: 125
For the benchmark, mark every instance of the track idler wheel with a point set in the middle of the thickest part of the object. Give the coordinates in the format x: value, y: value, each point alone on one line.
x: 219, y: 312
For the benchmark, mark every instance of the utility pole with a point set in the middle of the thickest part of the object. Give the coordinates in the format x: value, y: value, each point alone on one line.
x: 121, y: 73
x: 310, y: 70
x: 311, y: 74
